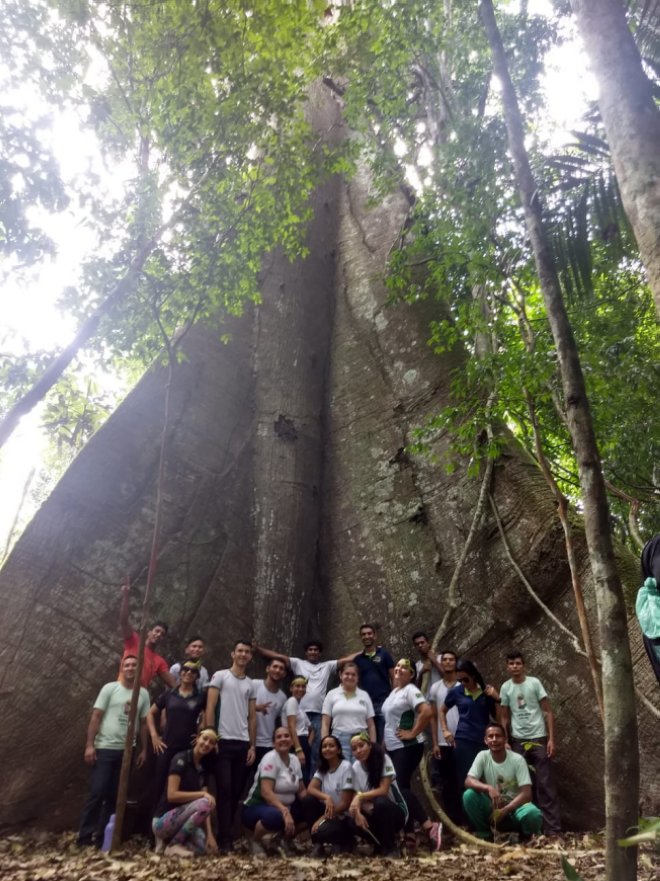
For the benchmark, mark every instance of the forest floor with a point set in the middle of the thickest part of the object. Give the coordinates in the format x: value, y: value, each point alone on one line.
x: 50, y: 857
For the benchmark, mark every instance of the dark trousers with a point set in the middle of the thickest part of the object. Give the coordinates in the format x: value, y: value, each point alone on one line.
x: 465, y: 752
x: 251, y: 771
x: 379, y: 722
x: 406, y: 762
x: 230, y: 773
x: 444, y: 778
x: 385, y: 822
x: 102, y: 796
x: 315, y: 722
x: 543, y: 781
x: 335, y: 831
x: 163, y: 761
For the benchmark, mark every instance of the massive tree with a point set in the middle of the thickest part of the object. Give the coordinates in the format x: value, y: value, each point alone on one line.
x: 291, y: 508
x: 295, y: 502
x: 631, y: 117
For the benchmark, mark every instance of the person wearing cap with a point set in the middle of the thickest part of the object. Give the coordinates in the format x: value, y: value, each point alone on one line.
x: 183, y: 706
x: 183, y: 817
x: 407, y: 713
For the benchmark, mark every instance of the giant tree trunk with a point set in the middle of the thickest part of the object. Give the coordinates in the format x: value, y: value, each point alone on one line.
x: 620, y: 721
x: 632, y: 122
x: 291, y: 509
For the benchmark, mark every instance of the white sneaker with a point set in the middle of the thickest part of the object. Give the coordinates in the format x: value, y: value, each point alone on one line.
x: 159, y: 846
x: 178, y: 850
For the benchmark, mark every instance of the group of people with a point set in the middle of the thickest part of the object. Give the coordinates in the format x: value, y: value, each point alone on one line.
x: 337, y: 762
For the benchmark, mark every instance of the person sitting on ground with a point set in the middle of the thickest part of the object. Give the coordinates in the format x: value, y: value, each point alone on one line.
x: 194, y: 652
x: 274, y: 803
x: 477, y: 706
x: 407, y: 714
x: 153, y: 665
x: 297, y: 721
x: 183, y: 706
x: 183, y: 815
x: 378, y: 811
x: 328, y: 798
x: 498, y: 790
x: 347, y: 709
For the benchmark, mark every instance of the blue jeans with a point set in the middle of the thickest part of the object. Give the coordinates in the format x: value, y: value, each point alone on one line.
x: 100, y: 804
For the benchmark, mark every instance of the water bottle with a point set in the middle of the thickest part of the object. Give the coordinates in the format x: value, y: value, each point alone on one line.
x: 107, y: 835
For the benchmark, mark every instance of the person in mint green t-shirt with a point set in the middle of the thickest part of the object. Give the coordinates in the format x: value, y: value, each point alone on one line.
x: 498, y: 790
x: 526, y: 708
x: 104, y: 749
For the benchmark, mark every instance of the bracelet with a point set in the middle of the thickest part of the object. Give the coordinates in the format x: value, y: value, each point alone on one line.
x: 299, y: 749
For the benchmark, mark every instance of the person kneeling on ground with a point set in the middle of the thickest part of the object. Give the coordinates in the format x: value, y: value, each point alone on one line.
x: 273, y: 803
x: 328, y: 798
x: 184, y: 810
x: 498, y: 790
x: 378, y: 811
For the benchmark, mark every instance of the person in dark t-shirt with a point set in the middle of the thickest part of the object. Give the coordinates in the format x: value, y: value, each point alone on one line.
x: 376, y: 666
x: 183, y: 706
x: 182, y: 817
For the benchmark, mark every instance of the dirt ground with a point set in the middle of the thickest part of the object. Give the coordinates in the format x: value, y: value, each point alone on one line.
x: 57, y: 858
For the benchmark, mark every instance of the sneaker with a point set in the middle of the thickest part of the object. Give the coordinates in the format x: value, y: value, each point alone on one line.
x: 177, y: 850
x: 159, y: 846
x: 257, y: 849
x: 435, y: 836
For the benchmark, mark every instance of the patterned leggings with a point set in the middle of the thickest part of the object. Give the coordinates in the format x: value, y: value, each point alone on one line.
x: 184, y: 825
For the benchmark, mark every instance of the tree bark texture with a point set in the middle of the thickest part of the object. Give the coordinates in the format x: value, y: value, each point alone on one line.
x: 632, y: 122
x: 291, y: 509
x: 620, y: 721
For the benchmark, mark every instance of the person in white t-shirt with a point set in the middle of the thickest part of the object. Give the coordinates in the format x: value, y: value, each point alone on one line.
x: 194, y: 652
x: 443, y: 766
x: 378, y: 811
x: 232, y: 692
x: 273, y: 803
x: 347, y: 709
x: 429, y: 662
x: 328, y: 798
x: 270, y: 700
x: 297, y: 721
x: 318, y: 674
x: 407, y: 714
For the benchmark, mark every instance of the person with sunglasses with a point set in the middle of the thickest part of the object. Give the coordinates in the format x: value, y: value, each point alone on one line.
x: 183, y: 706
x: 477, y: 706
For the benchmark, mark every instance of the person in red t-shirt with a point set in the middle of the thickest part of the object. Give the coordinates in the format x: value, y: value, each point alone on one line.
x: 153, y: 664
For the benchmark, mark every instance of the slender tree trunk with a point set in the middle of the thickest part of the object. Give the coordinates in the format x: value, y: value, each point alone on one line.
x: 632, y: 121
x: 621, y: 748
